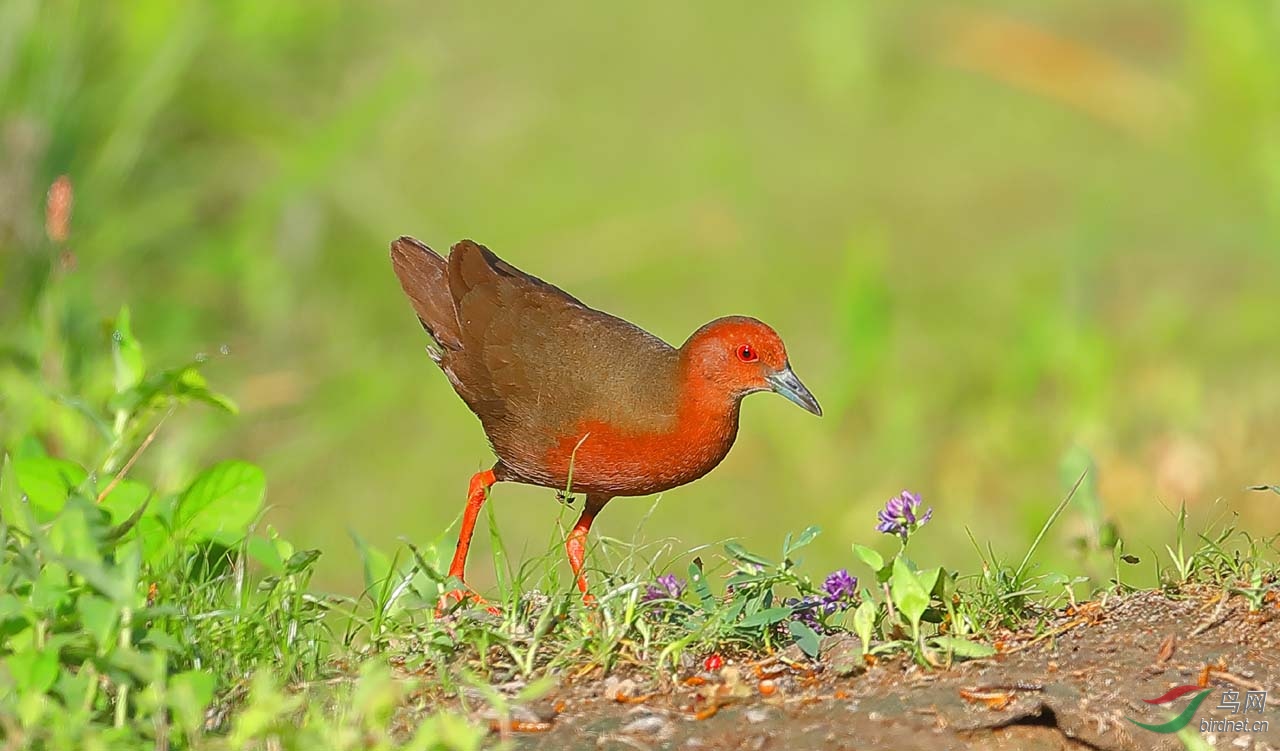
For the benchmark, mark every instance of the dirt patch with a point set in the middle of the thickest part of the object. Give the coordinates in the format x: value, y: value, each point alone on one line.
x: 1072, y: 687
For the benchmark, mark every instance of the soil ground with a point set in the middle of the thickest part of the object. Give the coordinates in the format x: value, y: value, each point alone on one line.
x: 1071, y: 687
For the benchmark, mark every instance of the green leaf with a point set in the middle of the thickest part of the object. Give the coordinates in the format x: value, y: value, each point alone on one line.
x: 157, y: 540
x: 809, y: 534
x: 742, y: 554
x: 284, y: 548
x: 189, y: 383
x: 29, y: 447
x: 864, y: 623
x: 375, y: 563
x: 34, y: 670
x: 730, y: 615
x: 929, y: 579
x: 190, y: 693
x: 963, y: 647
x: 699, y: 584
x: 114, y: 581
x: 126, y: 353
x: 806, y: 638
x: 742, y: 579
x: 301, y: 560
x: 874, y: 560
x: 428, y: 562
x: 908, y: 593
x: 141, y: 665
x: 945, y: 589
x: 71, y: 534
x: 267, y: 707
x: 75, y: 688
x: 264, y: 552
x: 99, y: 616
x: 163, y: 640
x: 117, y: 533
x: 765, y: 617
x: 49, y: 589
x: 125, y: 499
x: 47, y: 483
x: 184, y: 384
x: 14, y: 510
x: 226, y: 497
x: 10, y: 606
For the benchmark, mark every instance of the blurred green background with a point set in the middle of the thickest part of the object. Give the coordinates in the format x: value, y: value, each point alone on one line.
x: 1000, y: 241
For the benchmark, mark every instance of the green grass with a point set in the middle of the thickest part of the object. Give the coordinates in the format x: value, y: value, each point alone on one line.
x: 975, y: 276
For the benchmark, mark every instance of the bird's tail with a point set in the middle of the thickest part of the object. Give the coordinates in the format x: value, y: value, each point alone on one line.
x: 424, y: 277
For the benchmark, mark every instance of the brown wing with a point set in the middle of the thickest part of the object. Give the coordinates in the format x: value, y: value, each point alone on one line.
x: 535, y: 362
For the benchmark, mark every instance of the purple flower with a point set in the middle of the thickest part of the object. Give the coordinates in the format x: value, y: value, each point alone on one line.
x: 807, y: 610
x: 841, y: 588
x: 901, y: 515
x: 810, y: 609
x: 667, y: 587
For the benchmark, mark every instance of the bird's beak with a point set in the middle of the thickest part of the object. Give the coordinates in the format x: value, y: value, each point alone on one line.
x: 786, y: 383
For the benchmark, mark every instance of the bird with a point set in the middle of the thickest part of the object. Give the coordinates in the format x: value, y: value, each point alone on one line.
x: 576, y: 399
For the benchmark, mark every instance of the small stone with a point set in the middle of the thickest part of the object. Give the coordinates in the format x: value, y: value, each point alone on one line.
x: 646, y: 725
x: 757, y: 716
x: 618, y: 689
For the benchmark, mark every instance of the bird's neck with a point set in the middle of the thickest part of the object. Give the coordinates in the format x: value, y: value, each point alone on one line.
x: 706, y: 411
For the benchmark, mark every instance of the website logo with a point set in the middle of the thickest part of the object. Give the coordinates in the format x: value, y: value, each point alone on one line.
x: 1254, y: 701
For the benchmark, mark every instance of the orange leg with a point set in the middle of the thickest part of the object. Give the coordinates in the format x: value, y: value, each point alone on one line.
x: 476, y: 494
x: 576, y: 544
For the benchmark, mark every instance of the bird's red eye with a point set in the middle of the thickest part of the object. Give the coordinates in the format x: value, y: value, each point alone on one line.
x: 747, y: 354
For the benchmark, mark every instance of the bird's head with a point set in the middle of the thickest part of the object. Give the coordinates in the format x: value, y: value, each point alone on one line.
x: 738, y: 355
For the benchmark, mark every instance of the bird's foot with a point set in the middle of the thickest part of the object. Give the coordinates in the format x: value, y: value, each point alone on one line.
x: 448, y: 600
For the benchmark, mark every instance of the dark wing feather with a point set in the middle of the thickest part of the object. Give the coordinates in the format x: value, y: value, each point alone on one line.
x: 423, y: 276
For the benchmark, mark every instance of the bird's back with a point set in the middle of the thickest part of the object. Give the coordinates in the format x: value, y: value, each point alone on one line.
x: 531, y: 361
